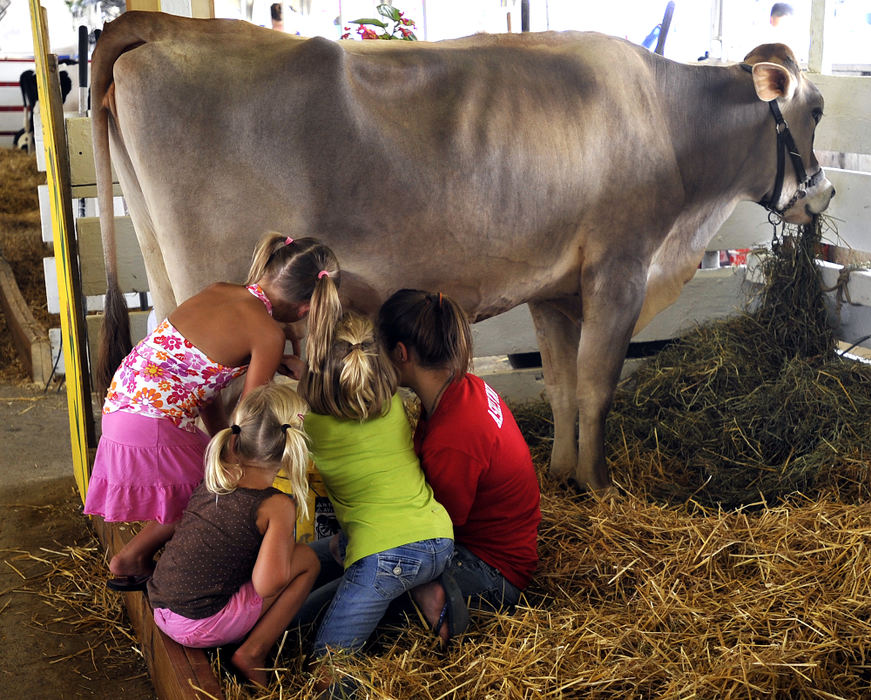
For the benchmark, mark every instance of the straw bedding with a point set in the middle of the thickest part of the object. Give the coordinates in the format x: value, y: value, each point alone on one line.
x: 731, y: 560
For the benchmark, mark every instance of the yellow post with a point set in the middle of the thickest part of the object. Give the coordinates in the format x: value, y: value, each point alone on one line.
x: 72, y: 317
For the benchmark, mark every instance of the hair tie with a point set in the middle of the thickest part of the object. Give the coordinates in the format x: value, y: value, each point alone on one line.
x: 235, y: 429
x: 288, y: 240
x: 440, y: 300
x: 323, y: 273
x: 284, y: 427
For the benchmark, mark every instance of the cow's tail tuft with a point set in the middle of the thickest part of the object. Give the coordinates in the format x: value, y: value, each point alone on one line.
x: 115, y: 340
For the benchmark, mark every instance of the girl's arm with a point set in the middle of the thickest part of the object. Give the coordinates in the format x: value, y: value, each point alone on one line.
x: 267, y: 350
x: 272, y: 570
x: 213, y: 415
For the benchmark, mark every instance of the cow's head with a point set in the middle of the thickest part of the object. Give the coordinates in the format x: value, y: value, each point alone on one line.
x: 800, y: 188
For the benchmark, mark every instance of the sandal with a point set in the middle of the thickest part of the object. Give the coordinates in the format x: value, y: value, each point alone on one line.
x: 455, y: 612
x: 128, y: 583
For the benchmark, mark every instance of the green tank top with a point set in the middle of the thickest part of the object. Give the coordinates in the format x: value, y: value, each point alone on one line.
x: 375, y: 482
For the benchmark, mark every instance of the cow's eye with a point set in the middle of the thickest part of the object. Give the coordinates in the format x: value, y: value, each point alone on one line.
x: 817, y: 114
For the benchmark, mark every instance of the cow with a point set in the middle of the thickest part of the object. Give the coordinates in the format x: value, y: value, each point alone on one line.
x: 574, y: 172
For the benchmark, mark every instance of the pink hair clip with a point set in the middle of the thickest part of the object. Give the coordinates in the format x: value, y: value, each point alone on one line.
x: 323, y: 273
x: 288, y: 240
x: 300, y: 416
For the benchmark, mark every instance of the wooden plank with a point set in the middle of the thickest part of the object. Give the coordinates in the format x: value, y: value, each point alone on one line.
x: 131, y: 266
x: 846, y: 125
x: 31, y: 339
x: 138, y: 325
x: 747, y: 227
x: 82, y: 435
x: 505, y: 334
x: 177, y: 673
x: 81, y: 152
x: 710, y: 295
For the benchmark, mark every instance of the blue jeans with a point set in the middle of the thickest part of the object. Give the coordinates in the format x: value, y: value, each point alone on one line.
x: 369, y: 585
x: 485, y: 585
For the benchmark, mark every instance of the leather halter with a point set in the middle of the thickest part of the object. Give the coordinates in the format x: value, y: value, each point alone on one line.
x: 785, y: 144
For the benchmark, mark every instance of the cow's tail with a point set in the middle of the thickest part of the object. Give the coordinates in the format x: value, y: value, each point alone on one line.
x: 115, y: 342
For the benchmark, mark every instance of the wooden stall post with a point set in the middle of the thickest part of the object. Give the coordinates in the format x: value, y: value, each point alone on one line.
x: 82, y: 434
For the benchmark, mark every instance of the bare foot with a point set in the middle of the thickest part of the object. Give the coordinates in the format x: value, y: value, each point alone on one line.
x: 250, y: 667
x: 430, y: 598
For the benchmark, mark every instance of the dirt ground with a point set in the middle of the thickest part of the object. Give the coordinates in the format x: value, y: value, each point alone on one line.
x: 62, y: 634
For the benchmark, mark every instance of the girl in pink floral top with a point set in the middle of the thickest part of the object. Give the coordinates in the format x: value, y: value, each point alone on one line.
x: 150, y: 456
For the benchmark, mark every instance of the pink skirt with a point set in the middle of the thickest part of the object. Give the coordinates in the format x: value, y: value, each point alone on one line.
x: 229, y: 625
x: 145, y: 469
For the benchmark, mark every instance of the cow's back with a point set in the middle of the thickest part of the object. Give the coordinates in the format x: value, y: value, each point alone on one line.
x: 417, y: 164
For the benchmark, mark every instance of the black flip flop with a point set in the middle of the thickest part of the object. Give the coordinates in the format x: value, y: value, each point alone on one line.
x: 455, y: 611
x: 125, y: 584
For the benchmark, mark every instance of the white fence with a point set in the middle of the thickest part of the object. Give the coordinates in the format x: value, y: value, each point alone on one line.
x: 712, y: 293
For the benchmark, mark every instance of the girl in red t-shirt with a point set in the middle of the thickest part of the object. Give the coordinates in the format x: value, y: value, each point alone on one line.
x: 471, y: 451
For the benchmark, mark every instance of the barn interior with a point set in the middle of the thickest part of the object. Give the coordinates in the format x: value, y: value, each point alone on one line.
x: 731, y: 559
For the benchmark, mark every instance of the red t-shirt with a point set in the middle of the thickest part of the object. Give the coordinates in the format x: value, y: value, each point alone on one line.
x: 480, y: 470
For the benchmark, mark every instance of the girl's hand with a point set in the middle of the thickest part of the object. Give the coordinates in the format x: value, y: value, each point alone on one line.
x: 291, y: 366
x: 294, y: 332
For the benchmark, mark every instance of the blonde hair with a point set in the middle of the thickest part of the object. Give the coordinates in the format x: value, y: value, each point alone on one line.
x: 266, y: 431
x: 292, y: 265
x: 348, y: 374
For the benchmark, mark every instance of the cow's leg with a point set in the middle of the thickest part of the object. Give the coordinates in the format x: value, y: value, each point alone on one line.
x: 612, y: 296
x: 558, y: 336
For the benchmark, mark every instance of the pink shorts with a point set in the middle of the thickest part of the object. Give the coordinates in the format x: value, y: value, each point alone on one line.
x: 228, y: 626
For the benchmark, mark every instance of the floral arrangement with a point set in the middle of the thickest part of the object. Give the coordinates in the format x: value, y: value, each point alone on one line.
x: 402, y: 26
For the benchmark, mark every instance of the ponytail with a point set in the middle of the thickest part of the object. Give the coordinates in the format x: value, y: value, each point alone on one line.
x: 222, y: 476
x: 431, y: 324
x: 294, y: 463
x: 267, y: 432
x: 355, y: 379
x: 323, y: 315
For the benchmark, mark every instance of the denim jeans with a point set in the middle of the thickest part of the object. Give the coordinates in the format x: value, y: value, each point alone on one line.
x: 485, y: 585
x: 369, y: 585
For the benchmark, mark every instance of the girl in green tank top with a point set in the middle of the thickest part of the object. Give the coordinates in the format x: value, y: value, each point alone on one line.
x: 395, y: 535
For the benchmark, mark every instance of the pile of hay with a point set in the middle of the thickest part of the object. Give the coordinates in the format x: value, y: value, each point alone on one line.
x: 754, y: 408
x: 22, y: 247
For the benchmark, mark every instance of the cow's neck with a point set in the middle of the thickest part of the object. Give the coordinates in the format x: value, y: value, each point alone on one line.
x: 718, y: 126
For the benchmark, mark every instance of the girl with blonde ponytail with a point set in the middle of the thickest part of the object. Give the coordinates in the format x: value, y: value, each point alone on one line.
x: 232, y: 572
x: 150, y: 455
x: 394, y: 534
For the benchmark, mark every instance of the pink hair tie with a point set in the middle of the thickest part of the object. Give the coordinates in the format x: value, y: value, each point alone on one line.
x: 323, y: 273
x: 288, y: 240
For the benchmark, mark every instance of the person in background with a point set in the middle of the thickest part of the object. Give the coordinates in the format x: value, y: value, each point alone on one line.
x: 781, y: 14
x: 231, y: 572
x: 276, y: 11
x: 394, y: 534
x: 150, y: 455
x: 471, y: 451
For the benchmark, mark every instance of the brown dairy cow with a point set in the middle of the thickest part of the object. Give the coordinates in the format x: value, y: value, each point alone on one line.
x: 574, y: 172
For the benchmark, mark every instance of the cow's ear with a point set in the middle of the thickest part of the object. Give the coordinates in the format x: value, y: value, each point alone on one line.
x: 772, y: 80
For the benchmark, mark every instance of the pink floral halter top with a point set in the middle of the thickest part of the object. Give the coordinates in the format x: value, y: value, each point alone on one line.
x: 166, y: 376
